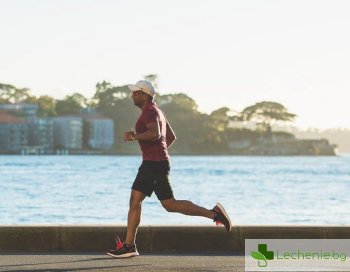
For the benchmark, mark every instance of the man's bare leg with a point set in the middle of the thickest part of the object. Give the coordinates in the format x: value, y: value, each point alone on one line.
x: 186, y: 207
x: 134, y: 216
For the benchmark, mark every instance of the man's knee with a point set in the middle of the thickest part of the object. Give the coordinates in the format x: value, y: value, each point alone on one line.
x: 136, y: 199
x: 169, y: 205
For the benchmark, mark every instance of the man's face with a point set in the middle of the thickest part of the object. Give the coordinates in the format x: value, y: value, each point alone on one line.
x: 139, y: 98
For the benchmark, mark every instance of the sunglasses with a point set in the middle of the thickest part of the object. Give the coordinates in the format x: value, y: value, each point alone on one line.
x: 137, y: 93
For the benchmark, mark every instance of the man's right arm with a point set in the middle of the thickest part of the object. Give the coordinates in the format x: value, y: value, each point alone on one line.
x: 170, y: 135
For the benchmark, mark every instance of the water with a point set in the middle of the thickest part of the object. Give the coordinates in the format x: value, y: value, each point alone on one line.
x: 254, y: 190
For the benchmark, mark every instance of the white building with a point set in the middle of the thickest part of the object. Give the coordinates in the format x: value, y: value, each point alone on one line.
x: 29, y: 110
x: 99, y: 132
x: 40, y: 132
x: 68, y: 132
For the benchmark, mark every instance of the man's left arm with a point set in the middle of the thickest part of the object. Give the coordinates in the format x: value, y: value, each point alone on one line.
x: 170, y: 135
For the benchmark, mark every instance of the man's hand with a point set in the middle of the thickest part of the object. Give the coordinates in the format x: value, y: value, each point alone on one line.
x: 129, y: 136
x: 151, y: 134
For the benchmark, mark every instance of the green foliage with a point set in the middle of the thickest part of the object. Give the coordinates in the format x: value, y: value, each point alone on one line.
x: 11, y: 94
x: 220, y: 118
x: 116, y: 103
x: 197, y: 133
x: 265, y: 113
x: 179, y: 101
x: 71, y: 104
x: 47, y: 106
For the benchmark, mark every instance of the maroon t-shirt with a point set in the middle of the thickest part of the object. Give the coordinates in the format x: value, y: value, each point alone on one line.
x: 156, y: 150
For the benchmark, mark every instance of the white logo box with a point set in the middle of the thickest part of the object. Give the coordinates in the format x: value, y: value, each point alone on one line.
x: 298, y: 255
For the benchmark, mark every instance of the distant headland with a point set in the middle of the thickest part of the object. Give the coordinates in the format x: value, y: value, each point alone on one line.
x: 80, y: 125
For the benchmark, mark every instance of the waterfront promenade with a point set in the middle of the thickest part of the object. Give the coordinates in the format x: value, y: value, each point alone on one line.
x: 162, y: 248
x: 154, y: 239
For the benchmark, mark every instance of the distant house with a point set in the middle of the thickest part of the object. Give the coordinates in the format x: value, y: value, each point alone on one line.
x: 98, y: 132
x: 40, y: 132
x: 13, y: 132
x: 27, y: 110
x: 98, y: 129
x: 68, y: 132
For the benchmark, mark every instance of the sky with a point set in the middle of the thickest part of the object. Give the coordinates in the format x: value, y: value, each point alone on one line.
x: 220, y: 53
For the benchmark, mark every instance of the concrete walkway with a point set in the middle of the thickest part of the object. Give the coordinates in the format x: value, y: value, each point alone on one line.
x: 99, y: 262
x: 163, y: 248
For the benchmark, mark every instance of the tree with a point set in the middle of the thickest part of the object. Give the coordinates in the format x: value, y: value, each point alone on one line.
x: 220, y: 118
x: 102, y: 87
x: 11, y: 94
x: 196, y: 132
x: 71, y: 104
x: 81, y: 100
x: 116, y: 103
x: 6, y: 92
x: 265, y: 113
x: 47, y: 106
x: 179, y: 100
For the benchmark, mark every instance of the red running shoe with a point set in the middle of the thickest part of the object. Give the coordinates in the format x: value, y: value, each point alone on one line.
x: 123, y: 250
x: 221, y: 217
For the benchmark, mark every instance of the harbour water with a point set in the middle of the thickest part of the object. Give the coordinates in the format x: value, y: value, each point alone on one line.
x: 254, y: 190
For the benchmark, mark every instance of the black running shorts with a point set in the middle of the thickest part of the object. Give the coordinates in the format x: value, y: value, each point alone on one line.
x: 154, y: 176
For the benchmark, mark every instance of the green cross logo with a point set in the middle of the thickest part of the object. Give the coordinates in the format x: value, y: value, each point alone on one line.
x: 262, y: 255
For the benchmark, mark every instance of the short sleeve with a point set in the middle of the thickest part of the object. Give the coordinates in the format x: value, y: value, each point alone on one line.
x: 150, y: 116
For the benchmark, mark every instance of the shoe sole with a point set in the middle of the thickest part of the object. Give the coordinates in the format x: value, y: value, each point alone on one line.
x: 225, y: 213
x: 124, y: 256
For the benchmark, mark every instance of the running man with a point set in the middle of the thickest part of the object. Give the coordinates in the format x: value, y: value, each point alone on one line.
x: 155, y: 135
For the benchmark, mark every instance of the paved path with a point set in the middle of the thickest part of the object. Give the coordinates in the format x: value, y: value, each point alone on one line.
x: 98, y: 262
